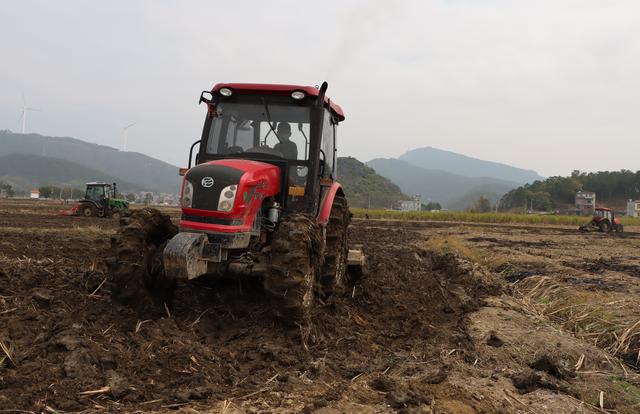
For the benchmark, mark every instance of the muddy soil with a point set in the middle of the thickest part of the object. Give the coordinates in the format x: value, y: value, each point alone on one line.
x: 426, y: 331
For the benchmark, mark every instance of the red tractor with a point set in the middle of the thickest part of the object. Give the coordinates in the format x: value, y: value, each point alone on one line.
x: 262, y: 200
x: 603, y: 220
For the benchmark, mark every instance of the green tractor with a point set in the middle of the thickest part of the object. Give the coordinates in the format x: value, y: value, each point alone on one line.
x: 101, y: 200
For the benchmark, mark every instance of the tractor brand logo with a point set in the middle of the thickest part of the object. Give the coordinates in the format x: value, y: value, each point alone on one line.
x: 207, y: 182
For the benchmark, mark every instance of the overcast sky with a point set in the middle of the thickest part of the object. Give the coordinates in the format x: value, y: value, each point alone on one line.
x: 549, y: 85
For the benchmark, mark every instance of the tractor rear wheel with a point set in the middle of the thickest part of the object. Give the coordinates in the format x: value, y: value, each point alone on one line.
x: 136, y: 269
x: 334, y: 269
x: 294, y: 263
x: 604, y: 226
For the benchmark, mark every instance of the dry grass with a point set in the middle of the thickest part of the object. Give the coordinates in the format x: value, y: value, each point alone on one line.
x: 468, y: 217
x: 89, y: 231
x: 458, y: 246
x: 602, y: 318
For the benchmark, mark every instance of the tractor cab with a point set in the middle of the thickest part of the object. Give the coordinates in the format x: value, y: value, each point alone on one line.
x: 602, y: 214
x: 265, y: 149
x: 99, y: 191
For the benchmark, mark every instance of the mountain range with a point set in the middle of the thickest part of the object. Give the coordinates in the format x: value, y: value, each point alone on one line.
x: 131, y: 170
x: 454, y: 163
x: 454, y: 180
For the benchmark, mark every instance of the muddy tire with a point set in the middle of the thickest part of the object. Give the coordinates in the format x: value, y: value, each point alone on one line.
x: 294, y: 263
x: 136, y: 268
x: 333, y: 273
x: 619, y: 228
x: 88, y: 210
x: 604, y: 226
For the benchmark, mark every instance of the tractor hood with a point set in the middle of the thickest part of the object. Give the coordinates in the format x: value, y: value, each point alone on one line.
x: 212, y: 179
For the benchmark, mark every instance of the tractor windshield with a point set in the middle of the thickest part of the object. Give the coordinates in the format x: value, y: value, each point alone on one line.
x: 269, y: 125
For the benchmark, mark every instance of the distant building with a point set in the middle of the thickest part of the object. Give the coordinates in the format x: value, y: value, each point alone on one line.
x: 35, y: 194
x: 633, y: 208
x: 585, y: 202
x: 415, y: 204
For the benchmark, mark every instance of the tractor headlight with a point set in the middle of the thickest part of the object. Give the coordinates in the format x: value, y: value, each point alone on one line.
x: 227, y: 197
x: 187, y: 194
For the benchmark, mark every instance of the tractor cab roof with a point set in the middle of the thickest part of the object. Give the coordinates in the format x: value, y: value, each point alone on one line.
x: 279, y: 90
x: 94, y: 183
x: 603, y: 209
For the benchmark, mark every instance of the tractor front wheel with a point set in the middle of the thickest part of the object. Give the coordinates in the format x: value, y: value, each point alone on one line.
x: 115, y: 213
x: 136, y: 268
x: 294, y: 263
x: 604, y: 226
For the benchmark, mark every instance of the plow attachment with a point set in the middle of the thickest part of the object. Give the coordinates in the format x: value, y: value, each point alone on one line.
x: 72, y: 211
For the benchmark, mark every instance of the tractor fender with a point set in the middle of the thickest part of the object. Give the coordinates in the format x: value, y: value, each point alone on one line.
x: 329, y: 194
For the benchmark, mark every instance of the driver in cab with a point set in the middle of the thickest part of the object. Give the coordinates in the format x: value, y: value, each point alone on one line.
x: 288, y: 148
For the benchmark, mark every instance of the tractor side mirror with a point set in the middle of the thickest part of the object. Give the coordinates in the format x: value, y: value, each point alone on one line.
x: 206, y: 97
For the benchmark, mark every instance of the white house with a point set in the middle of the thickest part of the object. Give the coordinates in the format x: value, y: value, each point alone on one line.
x: 633, y: 208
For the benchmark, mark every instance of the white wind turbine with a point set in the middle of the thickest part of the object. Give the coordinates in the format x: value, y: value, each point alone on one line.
x: 124, y: 134
x: 26, y: 109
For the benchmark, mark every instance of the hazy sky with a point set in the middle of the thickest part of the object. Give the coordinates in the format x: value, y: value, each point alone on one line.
x: 550, y: 85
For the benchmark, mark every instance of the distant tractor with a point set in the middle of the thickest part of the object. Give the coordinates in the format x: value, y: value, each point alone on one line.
x: 603, y: 220
x: 101, y: 200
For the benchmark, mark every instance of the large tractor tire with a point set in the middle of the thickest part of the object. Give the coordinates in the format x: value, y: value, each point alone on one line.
x: 136, y: 269
x: 294, y: 263
x: 604, y: 226
x: 334, y: 269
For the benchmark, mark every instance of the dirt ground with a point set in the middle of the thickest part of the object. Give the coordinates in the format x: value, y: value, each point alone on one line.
x: 450, y: 319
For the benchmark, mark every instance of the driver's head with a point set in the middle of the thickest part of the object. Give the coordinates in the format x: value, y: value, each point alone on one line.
x: 284, y: 131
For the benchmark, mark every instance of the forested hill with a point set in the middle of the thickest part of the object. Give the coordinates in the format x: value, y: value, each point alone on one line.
x: 612, y: 188
x: 364, y: 187
x: 125, y: 166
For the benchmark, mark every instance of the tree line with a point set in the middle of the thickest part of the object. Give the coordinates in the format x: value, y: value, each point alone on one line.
x: 558, y: 192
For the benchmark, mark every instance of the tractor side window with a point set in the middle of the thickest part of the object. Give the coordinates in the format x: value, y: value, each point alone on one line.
x: 328, y: 143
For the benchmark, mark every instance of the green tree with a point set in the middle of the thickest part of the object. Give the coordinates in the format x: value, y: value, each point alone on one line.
x: 482, y: 205
x: 431, y: 206
x: 6, y: 189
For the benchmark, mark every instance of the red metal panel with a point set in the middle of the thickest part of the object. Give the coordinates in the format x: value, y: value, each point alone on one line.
x: 260, y: 180
x: 327, y: 202
x: 275, y: 89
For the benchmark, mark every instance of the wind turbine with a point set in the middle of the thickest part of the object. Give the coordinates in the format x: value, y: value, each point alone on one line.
x: 25, y: 109
x: 124, y: 134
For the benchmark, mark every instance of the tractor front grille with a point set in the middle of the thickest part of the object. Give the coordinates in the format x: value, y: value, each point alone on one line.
x: 211, y: 220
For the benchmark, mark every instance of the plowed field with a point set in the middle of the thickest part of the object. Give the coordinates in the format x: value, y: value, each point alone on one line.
x: 450, y: 319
